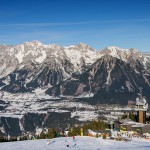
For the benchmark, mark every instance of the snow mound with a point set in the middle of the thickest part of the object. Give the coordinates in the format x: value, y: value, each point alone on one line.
x: 80, y: 143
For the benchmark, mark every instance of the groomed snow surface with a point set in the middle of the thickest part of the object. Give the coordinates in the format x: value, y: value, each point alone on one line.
x: 80, y: 143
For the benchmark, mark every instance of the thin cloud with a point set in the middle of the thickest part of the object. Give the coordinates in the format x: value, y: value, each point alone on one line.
x: 73, y: 23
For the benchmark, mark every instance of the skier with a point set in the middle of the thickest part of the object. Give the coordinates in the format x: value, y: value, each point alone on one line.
x: 66, y: 132
x: 74, y: 141
x: 81, y: 131
x: 66, y: 143
x: 73, y: 138
x: 48, y: 141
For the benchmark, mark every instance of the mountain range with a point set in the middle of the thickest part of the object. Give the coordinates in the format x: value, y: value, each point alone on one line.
x: 110, y: 75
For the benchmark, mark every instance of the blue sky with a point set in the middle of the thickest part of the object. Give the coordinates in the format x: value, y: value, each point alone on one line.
x: 99, y: 23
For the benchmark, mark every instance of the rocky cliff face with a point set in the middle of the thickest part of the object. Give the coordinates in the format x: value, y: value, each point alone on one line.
x: 32, y: 64
x: 109, y: 79
x: 73, y: 70
x: 146, y: 61
x: 33, y: 75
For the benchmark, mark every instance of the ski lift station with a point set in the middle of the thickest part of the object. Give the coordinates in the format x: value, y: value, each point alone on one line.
x: 141, y: 108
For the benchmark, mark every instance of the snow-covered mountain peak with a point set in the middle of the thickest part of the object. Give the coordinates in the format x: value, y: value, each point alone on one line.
x: 85, y: 47
x: 133, y: 50
x: 54, y: 46
x: 12, y: 57
x: 115, y: 48
x: 81, y: 53
x: 124, y: 54
x: 82, y: 47
x: 34, y: 43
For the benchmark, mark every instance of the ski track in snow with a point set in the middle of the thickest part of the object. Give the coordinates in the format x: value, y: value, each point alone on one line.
x: 82, y: 143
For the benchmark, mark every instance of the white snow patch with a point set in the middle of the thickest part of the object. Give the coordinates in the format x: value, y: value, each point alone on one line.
x: 19, y: 56
x: 41, y: 58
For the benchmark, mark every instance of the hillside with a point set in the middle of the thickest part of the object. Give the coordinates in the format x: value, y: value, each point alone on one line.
x: 81, y: 143
x: 109, y: 79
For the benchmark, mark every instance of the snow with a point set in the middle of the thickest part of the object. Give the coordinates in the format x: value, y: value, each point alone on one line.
x: 85, y: 95
x: 80, y: 143
x: 123, y: 54
x: 74, y: 54
x: 35, y: 49
x: 108, y: 77
x: 65, y: 74
x: 41, y: 59
x: 39, y: 52
x: 19, y: 56
x: 7, y: 70
x: 116, y: 52
x: 11, y: 115
x: 71, y: 46
x: 85, y: 115
x: 139, y: 125
x: 2, y: 67
x: 57, y: 110
x: 7, y: 80
x: 19, y: 104
x: 21, y: 126
x: 34, y: 42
